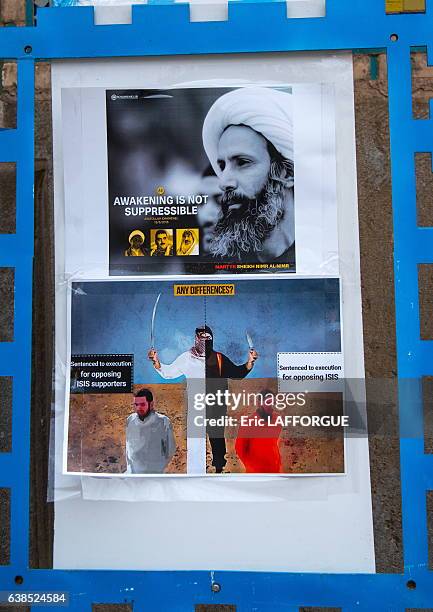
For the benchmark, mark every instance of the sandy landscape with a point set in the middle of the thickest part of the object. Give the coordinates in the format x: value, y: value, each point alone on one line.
x: 96, y: 441
x: 97, y: 426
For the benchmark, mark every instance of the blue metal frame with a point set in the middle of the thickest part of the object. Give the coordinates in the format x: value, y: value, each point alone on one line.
x: 251, y: 27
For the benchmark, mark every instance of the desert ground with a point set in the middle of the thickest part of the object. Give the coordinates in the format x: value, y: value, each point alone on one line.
x: 302, y: 451
x: 97, y: 427
x: 96, y: 440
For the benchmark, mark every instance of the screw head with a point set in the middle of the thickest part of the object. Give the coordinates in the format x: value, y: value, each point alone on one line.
x: 216, y: 588
x: 411, y: 584
x: 28, y: 49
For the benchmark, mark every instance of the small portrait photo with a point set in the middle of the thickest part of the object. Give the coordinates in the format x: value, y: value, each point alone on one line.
x: 137, y: 246
x: 161, y: 242
x: 187, y: 241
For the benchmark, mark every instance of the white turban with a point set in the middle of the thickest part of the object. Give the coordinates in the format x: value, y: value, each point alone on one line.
x: 264, y: 109
x: 136, y: 233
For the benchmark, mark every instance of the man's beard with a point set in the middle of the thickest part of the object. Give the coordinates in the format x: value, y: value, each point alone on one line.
x: 245, y: 229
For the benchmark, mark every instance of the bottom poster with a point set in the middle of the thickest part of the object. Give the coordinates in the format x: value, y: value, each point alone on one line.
x: 205, y: 377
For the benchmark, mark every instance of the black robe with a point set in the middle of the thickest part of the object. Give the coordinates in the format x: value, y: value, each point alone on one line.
x: 218, y: 371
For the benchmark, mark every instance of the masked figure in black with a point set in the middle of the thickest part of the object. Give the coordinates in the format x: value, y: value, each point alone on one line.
x: 219, y: 368
x: 202, y: 360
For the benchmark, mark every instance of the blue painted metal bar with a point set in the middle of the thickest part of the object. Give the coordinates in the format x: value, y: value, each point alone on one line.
x: 251, y: 27
x: 261, y: 591
x: 8, y: 359
x: 25, y: 157
x: 424, y: 466
x: 423, y: 243
x: 15, y: 357
x: 8, y: 145
x: 6, y: 470
x: 420, y: 138
x: 165, y: 30
x: 426, y: 356
x: 410, y: 350
x: 7, y: 243
x: 20, y: 502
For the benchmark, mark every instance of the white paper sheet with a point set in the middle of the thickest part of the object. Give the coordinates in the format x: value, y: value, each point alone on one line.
x: 303, y: 519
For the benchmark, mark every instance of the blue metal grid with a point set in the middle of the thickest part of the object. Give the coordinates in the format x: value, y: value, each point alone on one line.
x: 251, y: 27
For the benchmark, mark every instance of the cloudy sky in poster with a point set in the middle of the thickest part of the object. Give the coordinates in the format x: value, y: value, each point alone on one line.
x: 280, y: 315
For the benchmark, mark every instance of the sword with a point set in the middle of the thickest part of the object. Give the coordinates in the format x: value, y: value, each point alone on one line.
x: 250, y: 341
x: 152, y: 326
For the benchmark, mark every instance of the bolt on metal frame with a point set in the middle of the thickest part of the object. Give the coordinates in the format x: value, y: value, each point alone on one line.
x: 251, y: 27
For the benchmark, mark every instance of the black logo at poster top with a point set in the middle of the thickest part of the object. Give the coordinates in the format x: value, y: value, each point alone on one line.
x: 115, y: 97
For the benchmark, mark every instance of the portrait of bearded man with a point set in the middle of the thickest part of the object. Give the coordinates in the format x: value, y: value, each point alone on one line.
x: 248, y: 138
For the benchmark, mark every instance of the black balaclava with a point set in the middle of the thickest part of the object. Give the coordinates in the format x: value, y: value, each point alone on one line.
x: 202, y: 347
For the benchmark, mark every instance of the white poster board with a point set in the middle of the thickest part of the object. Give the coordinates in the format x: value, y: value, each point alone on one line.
x: 316, y: 514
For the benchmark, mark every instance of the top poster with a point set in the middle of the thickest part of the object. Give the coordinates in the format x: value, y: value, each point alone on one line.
x: 203, y: 180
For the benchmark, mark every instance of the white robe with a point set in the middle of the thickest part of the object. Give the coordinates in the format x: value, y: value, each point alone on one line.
x: 194, y: 370
x: 150, y: 443
x: 185, y: 365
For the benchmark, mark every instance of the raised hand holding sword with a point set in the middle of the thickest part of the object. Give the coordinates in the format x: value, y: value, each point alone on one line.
x: 152, y: 354
x: 253, y: 354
